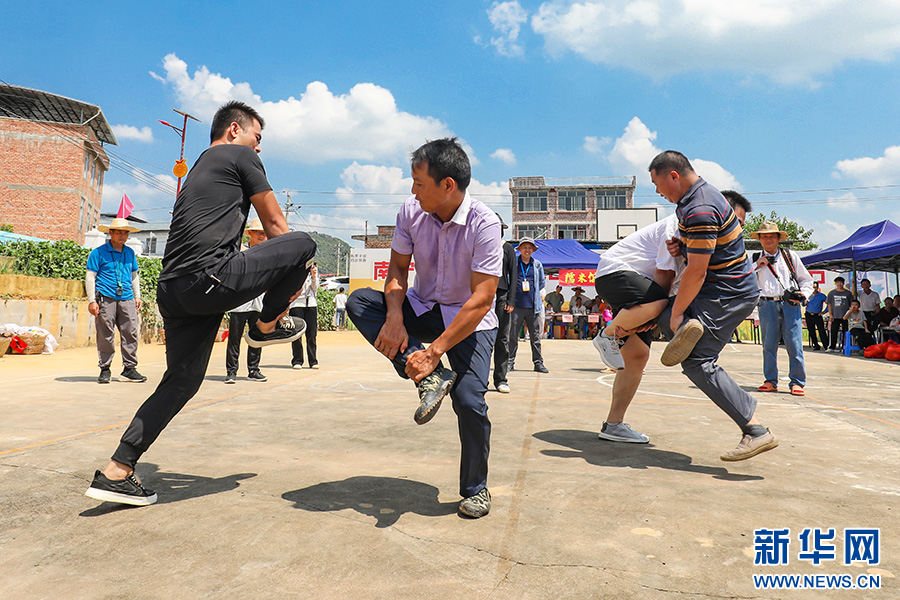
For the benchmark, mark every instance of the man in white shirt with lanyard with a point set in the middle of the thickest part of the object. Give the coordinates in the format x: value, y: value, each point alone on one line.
x: 784, y: 285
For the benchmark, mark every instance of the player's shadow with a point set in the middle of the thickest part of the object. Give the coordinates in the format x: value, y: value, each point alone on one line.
x: 586, y: 446
x: 173, y: 487
x: 78, y: 379
x: 385, y: 499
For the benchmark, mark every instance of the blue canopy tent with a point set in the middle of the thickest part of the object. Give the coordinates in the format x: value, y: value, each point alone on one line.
x: 873, y: 247
x: 565, y: 254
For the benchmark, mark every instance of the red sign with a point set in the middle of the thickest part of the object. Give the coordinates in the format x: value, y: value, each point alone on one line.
x: 576, y: 277
x: 380, y: 269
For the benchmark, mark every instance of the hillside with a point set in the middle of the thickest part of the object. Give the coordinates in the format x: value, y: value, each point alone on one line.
x: 327, y: 253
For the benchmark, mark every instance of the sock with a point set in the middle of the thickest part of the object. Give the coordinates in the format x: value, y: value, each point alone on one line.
x: 754, y: 430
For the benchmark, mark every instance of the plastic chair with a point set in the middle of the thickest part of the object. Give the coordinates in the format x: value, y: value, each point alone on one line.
x: 848, y: 344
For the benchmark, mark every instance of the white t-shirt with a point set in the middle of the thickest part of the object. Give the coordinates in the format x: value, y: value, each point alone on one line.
x: 868, y: 302
x: 643, y: 251
x: 340, y: 301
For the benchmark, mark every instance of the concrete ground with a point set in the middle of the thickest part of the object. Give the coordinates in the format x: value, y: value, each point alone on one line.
x: 319, y: 484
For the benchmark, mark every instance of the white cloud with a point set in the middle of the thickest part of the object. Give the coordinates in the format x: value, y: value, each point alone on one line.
x: 504, y: 155
x: 595, y: 145
x: 507, y: 19
x: 634, y: 149
x: 884, y: 170
x: 128, y: 132
x: 828, y: 233
x: 363, y: 124
x: 790, y: 42
x: 846, y: 202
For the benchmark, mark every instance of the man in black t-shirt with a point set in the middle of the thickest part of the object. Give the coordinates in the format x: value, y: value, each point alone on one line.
x: 205, y: 275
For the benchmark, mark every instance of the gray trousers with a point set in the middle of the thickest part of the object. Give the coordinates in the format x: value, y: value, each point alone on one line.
x: 121, y: 314
x: 720, y: 317
x: 535, y: 325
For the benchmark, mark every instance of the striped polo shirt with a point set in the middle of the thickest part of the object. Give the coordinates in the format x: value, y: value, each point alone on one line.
x: 708, y: 225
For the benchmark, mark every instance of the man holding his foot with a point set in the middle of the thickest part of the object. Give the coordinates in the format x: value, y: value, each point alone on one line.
x: 456, y: 241
x: 205, y: 275
x: 718, y: 290
x: 114, y: 293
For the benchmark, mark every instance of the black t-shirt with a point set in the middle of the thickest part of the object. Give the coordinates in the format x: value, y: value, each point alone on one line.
x: 211, y: 210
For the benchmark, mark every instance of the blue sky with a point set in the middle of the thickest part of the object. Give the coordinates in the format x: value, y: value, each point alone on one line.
x: 769, y: 97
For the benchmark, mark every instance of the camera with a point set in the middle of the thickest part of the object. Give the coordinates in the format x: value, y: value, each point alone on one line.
x: 793, y: 295
x: 771, y: 259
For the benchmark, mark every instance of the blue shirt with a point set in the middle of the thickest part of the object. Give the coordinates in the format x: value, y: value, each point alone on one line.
x: 525, y: 273
x: 816, y: 302
x: 113, y: 269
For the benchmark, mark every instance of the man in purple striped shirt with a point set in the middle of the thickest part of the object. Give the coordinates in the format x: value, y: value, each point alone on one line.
x: 456, y: 241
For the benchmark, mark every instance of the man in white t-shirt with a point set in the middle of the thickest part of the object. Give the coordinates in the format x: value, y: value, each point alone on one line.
x: 635, y: 277
x: 340, y: 309
x: 869, y: 300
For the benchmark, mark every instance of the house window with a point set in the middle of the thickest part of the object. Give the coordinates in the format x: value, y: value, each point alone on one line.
x: 533, y: 201
x: 87, y: 164
x: 573, y: 200
x: 532, y: 231
x: 572, y: 232
x: 81, y: 214
x: 612, y: 199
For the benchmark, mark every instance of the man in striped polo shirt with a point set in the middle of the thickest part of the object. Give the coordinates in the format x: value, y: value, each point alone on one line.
x: 718, y: 289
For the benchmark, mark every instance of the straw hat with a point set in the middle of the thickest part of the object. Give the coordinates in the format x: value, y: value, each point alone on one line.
x: 255, y: 225
x: 117, y: 223
x: 769, y: 227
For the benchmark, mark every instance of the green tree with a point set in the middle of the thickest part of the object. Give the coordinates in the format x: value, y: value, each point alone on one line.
x: 6, y: 227
x: 800, y: 236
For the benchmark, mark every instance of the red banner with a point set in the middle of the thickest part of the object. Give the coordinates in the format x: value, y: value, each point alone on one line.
x: 576, y: 277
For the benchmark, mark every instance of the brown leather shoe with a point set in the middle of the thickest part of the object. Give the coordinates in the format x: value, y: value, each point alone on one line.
x: 751, y: 446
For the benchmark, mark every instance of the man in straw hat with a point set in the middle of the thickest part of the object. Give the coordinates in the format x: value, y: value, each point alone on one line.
x: 205, y: 275
x: 529, y: 304
x: 114, y: 292
x: 247, y: 314
x: 784, y: 285
x: 717, y: 289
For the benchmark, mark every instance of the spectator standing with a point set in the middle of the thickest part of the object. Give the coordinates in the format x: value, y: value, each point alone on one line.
x: 305, y: 307
x: 504, y: 304
x: 838, y: 305
x: 869, y: 300
x: 816, y: 307
x: 245, y: 315
x: 555, y: 300
x: 114, y: 295
x: 340, y: 310
x: 784, y: 285
x: 529, y: 304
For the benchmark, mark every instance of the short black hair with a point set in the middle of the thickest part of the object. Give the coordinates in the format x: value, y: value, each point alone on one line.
x: 736, y: 199
x: 233, y: 112
x: 342, y: 290
x: 839, y: 278
x: 445, y: 158
x: 866, y: 279
x: 671, y: 160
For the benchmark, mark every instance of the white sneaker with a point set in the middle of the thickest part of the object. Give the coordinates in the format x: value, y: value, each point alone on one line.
x: 503, y: 388
x: 608, y: 347
x: 621, y: 432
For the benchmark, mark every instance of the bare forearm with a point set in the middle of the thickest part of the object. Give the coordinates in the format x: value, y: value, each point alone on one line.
x: 462, y: 326
x: 691, y: 282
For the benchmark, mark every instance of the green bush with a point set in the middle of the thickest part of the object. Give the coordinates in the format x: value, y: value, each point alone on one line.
x: 325, y: 309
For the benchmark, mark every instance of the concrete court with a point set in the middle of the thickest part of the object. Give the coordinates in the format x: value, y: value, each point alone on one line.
x: 319, y: 484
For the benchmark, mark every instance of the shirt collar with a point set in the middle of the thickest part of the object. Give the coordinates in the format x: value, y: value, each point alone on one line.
x: 688, y: 194
x: 462, y: 213
x: 109, y: 247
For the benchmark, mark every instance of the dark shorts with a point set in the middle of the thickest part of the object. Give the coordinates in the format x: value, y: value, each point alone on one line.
x: 624, y: 289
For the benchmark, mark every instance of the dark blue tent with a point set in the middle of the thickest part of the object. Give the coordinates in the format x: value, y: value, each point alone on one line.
x: 873, y: 247
x: 565, y: 254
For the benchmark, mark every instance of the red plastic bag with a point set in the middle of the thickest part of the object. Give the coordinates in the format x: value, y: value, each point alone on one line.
x: 17, y: 345
x: 876, y: 351
x: 893, y: 352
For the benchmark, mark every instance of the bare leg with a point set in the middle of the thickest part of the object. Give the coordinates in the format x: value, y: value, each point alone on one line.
x: 117, y: 471
x: 270, y: 326
x: 635, y: 353
x: 632, y: 318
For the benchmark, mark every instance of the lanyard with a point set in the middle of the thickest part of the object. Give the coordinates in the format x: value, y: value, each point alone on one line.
x: 524, y: 270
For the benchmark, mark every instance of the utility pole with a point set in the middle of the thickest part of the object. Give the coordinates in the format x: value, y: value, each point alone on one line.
x: 180, y: 169
x: 337, y: 264
x: 289, y: 207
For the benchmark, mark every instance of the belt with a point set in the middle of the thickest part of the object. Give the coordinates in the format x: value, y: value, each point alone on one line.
x: 771, y: 298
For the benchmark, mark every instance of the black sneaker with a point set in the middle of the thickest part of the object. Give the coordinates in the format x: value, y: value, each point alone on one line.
x: 541, y: 368
x: 257, y: 376
x: 131, y: 374
x: 105, y: 376
x: 286, y: 330
x: 125, y: 491
x: 432, y: 390
x: 230, y: 378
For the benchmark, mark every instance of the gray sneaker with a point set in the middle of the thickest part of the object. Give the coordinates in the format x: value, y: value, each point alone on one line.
x: 432, y: 390
x: 476, y: 506
x: 682, y: 343
x: 621, y: 432
x: 609, y: 349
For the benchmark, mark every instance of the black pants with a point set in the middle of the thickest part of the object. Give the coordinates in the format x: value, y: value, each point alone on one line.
x: 233, y: 352
x: 863, y: 338
x: 310, y: 315
x: 815, y: 323
x: 838, y: 327
x: 192, y: 307
x: 501, y: 346
x: 470, y: 359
